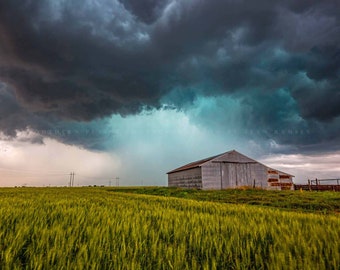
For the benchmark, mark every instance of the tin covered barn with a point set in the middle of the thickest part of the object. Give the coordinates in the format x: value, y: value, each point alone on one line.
x: 228, y: 170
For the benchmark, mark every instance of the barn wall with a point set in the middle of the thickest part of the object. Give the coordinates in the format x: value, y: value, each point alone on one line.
x: 191, y: 178
x: 233, y: 175
x: 244, y: 174
x: 211, y: 176
x: 259, y: 174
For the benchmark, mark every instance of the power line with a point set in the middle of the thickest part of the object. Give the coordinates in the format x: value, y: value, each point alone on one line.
x: 109, y: 179
x: 33, y: 176
x: 50, y: 173
x: 31, y: 171
x: 95, y: 177
x: 30, y: 174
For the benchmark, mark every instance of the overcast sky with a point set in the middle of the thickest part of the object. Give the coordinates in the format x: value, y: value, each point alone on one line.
x: 133, y: 89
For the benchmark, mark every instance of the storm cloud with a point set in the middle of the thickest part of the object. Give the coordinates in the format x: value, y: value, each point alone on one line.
x: 70, y: 65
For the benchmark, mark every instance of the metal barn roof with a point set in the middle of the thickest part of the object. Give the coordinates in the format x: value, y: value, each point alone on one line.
x: 192, y: 165
x: 227, y: 157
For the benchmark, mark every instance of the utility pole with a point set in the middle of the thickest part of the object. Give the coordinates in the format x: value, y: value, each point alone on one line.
x: 109, y: 183
x: 71, y: 184
x: 117, y: 181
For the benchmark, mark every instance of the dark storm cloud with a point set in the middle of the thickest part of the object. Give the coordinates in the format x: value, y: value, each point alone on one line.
x: 147, y: 11
x: 13, y: 118
x: 77, y: 61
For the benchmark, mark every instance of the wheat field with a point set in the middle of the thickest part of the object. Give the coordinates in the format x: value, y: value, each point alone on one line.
x: 90, y: 228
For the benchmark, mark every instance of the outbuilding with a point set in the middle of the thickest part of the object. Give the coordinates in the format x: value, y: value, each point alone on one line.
x: 228, y: 170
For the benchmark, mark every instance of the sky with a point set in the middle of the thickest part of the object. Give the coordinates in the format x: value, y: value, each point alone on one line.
x: 122, y: 91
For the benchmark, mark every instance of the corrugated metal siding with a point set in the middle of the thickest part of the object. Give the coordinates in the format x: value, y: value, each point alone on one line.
x: 236, y: 175
x: 259, y: 174
x: 191, y: 178
x: 211, y: 176
x: 233, y: 175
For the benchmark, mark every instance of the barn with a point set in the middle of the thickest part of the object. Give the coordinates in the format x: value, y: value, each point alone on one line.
x: 228, y: 170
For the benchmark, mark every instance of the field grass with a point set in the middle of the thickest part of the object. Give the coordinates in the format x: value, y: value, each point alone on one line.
x: 321, y: 202
x: 92, y: 228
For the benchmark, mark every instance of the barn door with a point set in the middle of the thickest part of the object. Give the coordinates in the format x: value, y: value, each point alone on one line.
x: 243, y: 176
x: 228, y: 175
x: 235, y: 175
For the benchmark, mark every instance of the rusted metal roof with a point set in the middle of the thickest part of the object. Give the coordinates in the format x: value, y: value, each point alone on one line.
x: 192, y: 165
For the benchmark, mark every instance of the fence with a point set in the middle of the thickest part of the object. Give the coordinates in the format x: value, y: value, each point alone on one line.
x: 320, y: 185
